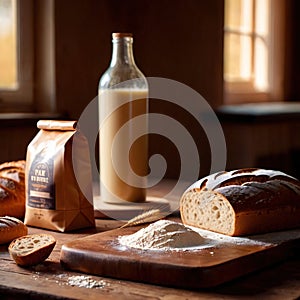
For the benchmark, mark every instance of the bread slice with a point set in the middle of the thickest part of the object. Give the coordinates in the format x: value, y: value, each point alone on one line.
x: 11, y: 228
x: 243, y: 202
x: 31, y: 249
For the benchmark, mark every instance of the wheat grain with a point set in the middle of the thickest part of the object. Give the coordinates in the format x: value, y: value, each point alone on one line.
x: 146, y: 217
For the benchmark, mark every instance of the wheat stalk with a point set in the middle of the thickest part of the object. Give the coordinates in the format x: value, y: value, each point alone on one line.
x: 146, y: 217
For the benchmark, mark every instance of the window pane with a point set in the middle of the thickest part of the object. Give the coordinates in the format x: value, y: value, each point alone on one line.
x: 239, y: 15
x: 8, y: 44
x: 238, y: 57
x: 261, y: 82
x: 262, y: 17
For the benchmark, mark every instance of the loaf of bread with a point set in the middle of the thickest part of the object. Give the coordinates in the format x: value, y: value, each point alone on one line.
x: 31, y: 249
x: 11, y: 228
x: 243, y: 202
x: 12, y: 189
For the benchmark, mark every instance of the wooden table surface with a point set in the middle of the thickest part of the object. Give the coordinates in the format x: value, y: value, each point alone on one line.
x: 50, y: 281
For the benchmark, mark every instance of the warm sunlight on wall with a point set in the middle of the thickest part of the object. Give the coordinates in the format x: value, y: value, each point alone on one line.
x: 8, y: 44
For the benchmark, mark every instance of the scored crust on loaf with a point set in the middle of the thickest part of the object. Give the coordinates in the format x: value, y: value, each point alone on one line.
x: 12, y: 189
x: 242, y: 176
x: 11, y: 228
x: 196, y: 205
x: 13, y: 170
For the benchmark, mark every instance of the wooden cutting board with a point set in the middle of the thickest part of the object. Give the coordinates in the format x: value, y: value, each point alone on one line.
x: 102, y: 254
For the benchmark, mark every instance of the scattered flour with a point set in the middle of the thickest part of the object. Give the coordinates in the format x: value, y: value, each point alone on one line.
x: 86, y: 281
x: 163, y: 234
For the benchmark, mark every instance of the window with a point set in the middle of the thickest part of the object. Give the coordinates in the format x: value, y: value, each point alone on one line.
x: 253, y: 51
x: 16, y: 55
x: 8, y: 47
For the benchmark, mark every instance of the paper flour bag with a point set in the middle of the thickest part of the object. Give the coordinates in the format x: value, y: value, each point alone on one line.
x: 58, y: 187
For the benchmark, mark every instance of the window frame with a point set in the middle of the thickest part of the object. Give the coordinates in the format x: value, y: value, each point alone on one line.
x: 245, y: 92
x: 21, y: 98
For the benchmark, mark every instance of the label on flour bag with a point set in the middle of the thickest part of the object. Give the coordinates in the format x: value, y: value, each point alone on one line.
x: 41, y: 187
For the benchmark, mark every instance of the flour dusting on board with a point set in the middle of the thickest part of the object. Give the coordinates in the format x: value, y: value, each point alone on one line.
x: 170, y: 235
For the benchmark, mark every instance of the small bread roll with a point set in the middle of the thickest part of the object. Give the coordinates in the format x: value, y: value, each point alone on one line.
x: 11, y: 228
x: 31, y: 249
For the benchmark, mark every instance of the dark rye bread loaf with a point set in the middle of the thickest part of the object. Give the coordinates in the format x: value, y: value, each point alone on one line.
x: 243, y: 202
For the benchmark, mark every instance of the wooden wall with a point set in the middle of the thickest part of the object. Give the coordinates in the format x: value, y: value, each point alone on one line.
x: 180, y: 40
x: 292, y: 72
x: 270, y: 144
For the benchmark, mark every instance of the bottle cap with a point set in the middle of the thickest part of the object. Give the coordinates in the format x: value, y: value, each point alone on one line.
x: 116, y: 35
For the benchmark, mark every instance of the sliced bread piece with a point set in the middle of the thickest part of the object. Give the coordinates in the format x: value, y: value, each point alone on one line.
x: 31, y: 249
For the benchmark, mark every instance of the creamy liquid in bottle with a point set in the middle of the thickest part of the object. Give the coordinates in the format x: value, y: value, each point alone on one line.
x: 112, y: 118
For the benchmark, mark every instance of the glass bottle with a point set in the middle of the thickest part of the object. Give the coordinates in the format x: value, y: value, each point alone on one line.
x: 123, y: 95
